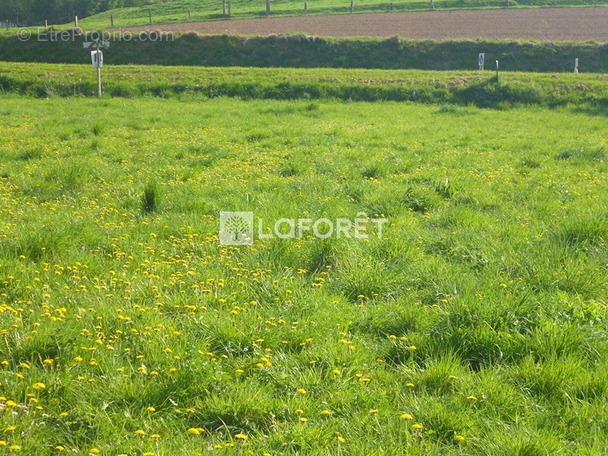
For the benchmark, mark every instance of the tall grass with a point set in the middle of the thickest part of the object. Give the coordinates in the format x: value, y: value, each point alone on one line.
x: 475, y: 325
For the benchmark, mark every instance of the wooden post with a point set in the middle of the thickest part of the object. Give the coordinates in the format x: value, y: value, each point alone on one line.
x: 305, y: 7
x: 229, y: 9
x: 111, y: 20
x: 75, y: 21
x: 98, y: 82
x: 150, y: 15
x: 267, y: 7
x: 432, y: 5
x: 46, y: 25
x: 224, y: 8
x: 392, y: 6
x: 352, y: 5
x: 189, y: 17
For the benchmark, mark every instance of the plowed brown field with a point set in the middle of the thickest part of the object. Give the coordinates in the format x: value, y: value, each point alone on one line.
x: 547, y: 24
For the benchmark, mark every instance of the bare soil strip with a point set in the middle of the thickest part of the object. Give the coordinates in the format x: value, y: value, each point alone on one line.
x: 545, y: 24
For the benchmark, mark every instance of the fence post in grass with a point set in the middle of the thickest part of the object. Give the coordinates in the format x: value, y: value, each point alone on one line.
x: 46, y: 25
x: 188, y: 14
x: 497, y: 76
x: 267, y: 7
x: 111, y: 20
x: 229, y: 9
x: 432, y: 5
x: 576, y: 65
x: 75, y: 21
x: 352, y: 5
x: 224, y: 8
x: 150, y: 16
x: 305, y: 8
x: 392, y: 7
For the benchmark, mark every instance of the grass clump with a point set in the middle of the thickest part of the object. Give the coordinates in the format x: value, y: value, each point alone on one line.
x: 150, y: 199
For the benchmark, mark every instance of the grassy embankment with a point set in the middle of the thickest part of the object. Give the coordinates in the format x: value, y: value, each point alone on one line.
x: 300, y: 51
x: 478, y: 88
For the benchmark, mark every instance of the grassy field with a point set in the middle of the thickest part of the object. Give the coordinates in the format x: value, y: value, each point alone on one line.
x: 193, y: 10
x: 475, y: 325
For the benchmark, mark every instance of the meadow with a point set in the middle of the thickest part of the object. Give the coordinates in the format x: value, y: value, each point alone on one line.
x: 475, y: 325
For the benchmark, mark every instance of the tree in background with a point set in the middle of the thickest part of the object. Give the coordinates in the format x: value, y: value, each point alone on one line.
x: 35, y: 12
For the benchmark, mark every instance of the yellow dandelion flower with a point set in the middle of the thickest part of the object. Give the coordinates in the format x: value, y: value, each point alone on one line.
x: 139, y: 432
x: 325, y: 412
x: 301, y: 391
x: 303, y: 419
x: 458, y: 438
x: 406, y: 416
x: 241, y: 437
x: 39, y: 386
x: 194, y: 431
x: 416, y: 426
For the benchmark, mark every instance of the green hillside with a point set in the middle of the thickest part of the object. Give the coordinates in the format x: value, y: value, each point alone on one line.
x: 194, y: 10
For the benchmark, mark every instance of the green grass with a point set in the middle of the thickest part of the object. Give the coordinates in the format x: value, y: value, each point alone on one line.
x: 480, y: 313
x: 457, y: 87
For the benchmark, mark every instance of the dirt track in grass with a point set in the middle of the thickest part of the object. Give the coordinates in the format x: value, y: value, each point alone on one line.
x: 546, y: 24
